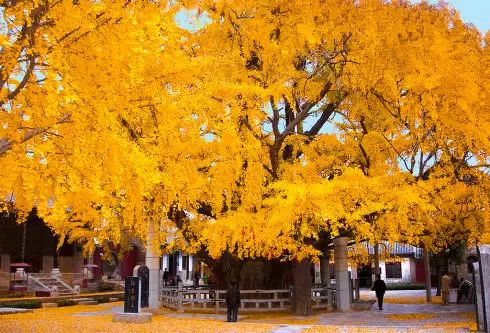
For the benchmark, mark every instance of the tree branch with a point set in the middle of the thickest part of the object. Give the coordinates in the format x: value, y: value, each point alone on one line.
x: 6, y: 144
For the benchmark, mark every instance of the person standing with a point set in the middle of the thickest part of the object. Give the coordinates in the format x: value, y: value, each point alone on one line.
x: 178, y: 281
x: 464, y: 291
x: 379, y: 287
x: 445, y: 288
x: 165, y: 277
x: 232, y: 302
x: 197, y: 277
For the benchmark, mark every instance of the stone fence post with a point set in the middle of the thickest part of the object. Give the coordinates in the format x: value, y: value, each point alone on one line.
x: 180, y: 297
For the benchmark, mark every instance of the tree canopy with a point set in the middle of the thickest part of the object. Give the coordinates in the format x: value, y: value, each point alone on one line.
x: 256, y: 128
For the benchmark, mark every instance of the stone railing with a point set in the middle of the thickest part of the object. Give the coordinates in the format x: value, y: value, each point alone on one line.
x: 192, y: 298
x: 70, y: 279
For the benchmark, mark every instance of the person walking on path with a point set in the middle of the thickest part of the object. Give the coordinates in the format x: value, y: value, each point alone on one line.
x: 232, y: 302
x: 379, y: 287
x: 445, y: 288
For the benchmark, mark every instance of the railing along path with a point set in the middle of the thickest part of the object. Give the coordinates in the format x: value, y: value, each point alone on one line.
x: 193, y: 298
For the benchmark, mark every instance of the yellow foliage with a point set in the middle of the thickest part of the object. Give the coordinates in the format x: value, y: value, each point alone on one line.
x: 258, y: 133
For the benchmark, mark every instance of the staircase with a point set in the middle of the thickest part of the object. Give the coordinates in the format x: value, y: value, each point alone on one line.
x: 47, y: 282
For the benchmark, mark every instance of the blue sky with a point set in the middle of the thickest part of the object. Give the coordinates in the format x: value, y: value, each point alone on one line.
x: 473, y: 11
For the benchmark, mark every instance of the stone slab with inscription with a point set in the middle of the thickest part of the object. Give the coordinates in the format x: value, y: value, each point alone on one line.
x: 132, y: 295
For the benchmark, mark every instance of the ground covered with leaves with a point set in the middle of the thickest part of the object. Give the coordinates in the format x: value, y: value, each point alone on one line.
x: 85, y: 318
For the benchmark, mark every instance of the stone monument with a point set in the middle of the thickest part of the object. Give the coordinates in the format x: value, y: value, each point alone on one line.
x: 144, y: 274
x: 132, y: 303
x: 132, y: 294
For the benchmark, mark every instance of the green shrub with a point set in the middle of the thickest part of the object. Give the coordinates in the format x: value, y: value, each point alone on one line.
x: 105, y: 287
x: 102, y: 299
x: 405, y: 286
x: 31, y: 304
x: 66, y: 302
x: 13, y: 294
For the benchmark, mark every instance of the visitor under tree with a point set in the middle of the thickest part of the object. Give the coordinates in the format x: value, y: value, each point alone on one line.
x: 232, y: 302
x: 379, y: 287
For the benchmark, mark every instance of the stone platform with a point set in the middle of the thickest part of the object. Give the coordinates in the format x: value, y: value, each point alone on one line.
x: 134, y: 318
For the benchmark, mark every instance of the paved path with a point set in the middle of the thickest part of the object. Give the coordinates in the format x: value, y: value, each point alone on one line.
x: 290, y: 328
x: 13, y: 310
x: 372, y: 320
x: 99, y: 312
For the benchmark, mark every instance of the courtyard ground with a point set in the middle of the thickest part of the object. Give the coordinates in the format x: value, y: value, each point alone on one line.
x: 405, y: 311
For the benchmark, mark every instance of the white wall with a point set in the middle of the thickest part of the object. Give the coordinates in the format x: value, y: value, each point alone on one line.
x: 408, y: 271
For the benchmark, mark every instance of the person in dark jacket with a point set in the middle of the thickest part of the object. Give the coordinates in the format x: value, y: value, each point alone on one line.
x: 232, y: 301
x: 464, y: 291
x: 379, y: 287
x: 165, y: 277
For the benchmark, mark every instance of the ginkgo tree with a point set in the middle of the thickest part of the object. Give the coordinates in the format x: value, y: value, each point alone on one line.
x: 265, y: 133
x: 107, y: 143
x: 282, y: 83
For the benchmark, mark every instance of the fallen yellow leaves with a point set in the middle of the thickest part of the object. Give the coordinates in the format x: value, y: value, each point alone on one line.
x: 76, y: 319
x: 412, y: 300
x: 410, y: 316
x: 350, y: 329
x: 470, y: 324
x: 63, y: 320
x: 281, y: 318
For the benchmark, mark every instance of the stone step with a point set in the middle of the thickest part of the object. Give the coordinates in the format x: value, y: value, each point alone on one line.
x: 88, y: 303
x: 81, y: 299
x: 49, y: 305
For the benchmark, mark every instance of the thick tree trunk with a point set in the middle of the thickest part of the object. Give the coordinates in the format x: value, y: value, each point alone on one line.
x: 428, y: 288
x: 302, y: 287
x: 324, y: 269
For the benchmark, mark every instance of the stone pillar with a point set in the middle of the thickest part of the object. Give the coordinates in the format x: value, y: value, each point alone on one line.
x: 190, y: 267
x: 78, y: 260
x: 5, y: 262
x: 341, y: 274
x: 484, y: 269
x: 478, y: 297
x: 48, y: 264
x: 355, y: 281
x: 151, y: 261
x: 202, y: 272
x: 90, y: 261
